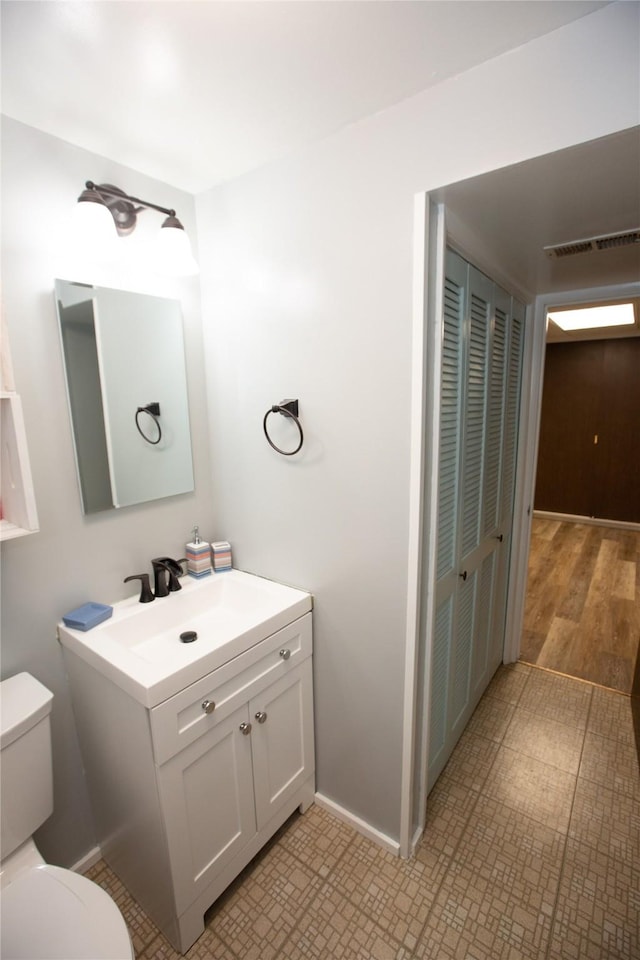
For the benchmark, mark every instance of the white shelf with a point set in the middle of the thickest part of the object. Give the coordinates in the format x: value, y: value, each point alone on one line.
x: 19, y: 515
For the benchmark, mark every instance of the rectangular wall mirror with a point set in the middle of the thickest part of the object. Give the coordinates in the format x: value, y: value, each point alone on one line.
x: 127, y: 389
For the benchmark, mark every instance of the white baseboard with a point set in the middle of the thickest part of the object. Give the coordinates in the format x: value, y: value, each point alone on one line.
x: 88, y: 860
x: 387, y: 843
x: 596, y: 521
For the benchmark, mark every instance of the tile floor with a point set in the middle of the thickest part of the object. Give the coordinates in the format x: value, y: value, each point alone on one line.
x: 532, y: 850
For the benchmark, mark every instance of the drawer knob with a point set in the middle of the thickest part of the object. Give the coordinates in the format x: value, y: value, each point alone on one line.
x: 261, y: 716
x: 285, y: 654
x: 208, y: 706
x: 245, y: 729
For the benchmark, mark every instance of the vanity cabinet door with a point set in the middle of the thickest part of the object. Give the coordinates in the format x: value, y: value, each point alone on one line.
x: 282, y: 740
x: 207, y: 799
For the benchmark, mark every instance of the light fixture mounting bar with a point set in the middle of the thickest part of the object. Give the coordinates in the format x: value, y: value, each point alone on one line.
x: 119, y: 195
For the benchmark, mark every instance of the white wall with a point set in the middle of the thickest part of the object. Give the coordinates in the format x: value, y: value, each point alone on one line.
x: 307, y: 294
x: 74, y: 558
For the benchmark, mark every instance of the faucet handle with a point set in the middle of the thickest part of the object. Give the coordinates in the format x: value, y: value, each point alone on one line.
x: 146, y: 593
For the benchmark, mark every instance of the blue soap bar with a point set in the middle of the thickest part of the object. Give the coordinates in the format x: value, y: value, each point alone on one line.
x: 87, y: 616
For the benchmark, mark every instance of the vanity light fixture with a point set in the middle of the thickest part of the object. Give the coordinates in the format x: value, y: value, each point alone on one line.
x: 105, y: 212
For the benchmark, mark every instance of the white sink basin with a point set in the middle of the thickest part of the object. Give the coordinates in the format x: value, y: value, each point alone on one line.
x: 139, y: 647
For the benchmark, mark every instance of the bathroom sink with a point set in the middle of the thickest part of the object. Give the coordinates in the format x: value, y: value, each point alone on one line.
x: 140, y: 648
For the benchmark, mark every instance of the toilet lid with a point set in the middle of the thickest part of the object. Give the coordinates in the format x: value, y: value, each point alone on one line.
x: 53, y: 914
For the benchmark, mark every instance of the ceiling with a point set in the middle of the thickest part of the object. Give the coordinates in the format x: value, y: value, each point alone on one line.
x: 196, y: 92
x: 589, y: 190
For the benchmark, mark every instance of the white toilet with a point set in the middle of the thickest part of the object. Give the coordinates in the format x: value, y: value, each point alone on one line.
x: 48, y: 913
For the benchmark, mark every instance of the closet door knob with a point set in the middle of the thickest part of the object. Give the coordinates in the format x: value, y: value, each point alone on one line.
x: 285, y: 654
x: 245, y: 729
x: 261, y: 716
x: 208, y: 706
x: 463, y: 575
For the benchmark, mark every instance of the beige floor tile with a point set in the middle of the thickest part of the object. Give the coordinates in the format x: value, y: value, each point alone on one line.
x: 490, y: 719
x: 449, y: 807
x: 317, y: 839
x: 161, y: 949
x: 607, y: 821
x: 558, y: 698
x: 509, y: 681
x: 471, y: 761
x: 547, y: 740
x: 482, y: 922
x: 334, y: 929
x: 532, y: 788
x: 255, y: 920
x: 598, y: 912
x: 611, y: 716
x: 612, y: 763
x: 488, y: 882
x: 508, y: 847
x: 141, y: 929
x: 207, y: 947
x: 498, y: 896
x: 396, y: 893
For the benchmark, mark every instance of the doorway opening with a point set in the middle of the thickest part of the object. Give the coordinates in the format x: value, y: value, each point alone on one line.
x: 582, y: 609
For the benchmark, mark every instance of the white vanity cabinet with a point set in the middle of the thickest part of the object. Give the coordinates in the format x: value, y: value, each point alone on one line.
x: 185, y: 793
x: 246, y: 760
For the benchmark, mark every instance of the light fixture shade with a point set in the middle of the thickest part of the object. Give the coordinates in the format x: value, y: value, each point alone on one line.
x: 594, y: 318
x: 95, y: 229
x: 173, y: 250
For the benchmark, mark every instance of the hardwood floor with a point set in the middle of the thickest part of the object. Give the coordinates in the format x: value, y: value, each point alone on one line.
x: 582, y: 615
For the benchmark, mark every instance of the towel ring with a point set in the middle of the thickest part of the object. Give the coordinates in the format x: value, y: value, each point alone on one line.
x: 152, y: 410
x: 288, y: 408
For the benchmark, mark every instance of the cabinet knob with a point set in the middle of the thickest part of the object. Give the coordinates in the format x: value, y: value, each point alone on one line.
x: 245, y: 729
x: 285, y: 654
x: 261, y: 716
x: 208, y: 706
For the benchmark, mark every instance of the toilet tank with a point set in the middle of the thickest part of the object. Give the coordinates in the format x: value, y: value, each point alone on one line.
x: 25, y: 764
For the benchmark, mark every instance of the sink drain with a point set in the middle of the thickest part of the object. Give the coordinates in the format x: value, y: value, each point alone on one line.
x: 188, y: 636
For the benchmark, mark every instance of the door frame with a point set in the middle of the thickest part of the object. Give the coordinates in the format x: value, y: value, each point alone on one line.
x: 434, y: 230
x: 529, y: 439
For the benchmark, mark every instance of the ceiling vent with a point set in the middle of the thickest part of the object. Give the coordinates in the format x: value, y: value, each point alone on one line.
x: 609, y: 241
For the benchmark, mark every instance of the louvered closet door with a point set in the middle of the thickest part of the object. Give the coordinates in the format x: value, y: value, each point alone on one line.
x: 513, y: 385
x: 448, y: 498
x: 477, y: 451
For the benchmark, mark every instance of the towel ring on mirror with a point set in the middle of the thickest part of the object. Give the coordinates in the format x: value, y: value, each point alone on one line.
x: 288, y: 408
x: 152, y: 410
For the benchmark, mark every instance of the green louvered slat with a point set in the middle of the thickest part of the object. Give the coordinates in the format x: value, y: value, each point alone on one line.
x: 449, y: 428
x: 440, y: 679
x: 484, y: 619
x: 476, y: 382
x: 463, y: 648
x: 495, y: 407
x: 512, y: 406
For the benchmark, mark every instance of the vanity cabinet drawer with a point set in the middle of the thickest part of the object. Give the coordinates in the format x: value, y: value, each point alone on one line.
x: 195, y: 711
